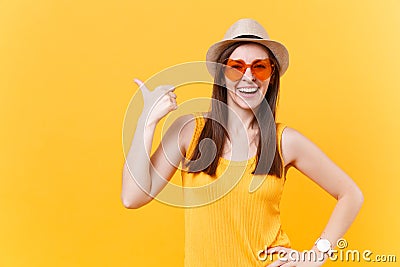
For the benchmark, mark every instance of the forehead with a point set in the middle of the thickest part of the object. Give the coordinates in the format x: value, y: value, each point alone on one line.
x: 249, y: 52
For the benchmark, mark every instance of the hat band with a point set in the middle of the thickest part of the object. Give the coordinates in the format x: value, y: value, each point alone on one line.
x: 247, y: 36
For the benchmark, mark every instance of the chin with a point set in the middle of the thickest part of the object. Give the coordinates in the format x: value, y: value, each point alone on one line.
x: 247, y: 105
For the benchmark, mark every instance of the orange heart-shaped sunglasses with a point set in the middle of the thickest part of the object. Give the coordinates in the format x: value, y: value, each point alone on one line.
x: 262, y: 69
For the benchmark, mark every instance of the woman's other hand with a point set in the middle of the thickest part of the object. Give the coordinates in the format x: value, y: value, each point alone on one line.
x: 292, y: 258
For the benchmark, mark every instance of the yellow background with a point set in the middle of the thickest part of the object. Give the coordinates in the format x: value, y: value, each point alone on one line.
x: 66, y: 70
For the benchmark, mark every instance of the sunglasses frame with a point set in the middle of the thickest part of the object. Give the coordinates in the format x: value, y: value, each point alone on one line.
x: 246, y: 66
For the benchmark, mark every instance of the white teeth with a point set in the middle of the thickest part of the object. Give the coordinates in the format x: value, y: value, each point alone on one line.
x: 248, y: 89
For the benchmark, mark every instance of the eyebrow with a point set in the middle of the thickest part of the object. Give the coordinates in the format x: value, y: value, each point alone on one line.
x: 237, y: 59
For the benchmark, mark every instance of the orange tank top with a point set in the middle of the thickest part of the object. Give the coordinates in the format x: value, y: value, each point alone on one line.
x: 225, y: 224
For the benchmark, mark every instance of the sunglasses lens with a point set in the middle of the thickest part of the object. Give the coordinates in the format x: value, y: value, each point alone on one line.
x: 262, y: 69
x: 235, y: 69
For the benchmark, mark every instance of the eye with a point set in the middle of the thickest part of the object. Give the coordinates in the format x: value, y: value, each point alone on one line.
x: 236, y: 66
x: 260, y: 66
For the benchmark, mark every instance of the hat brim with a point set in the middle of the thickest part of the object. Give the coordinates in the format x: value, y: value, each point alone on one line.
x: 278, y: 49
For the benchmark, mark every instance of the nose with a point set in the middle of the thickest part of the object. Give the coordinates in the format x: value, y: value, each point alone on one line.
x: 248, y: 74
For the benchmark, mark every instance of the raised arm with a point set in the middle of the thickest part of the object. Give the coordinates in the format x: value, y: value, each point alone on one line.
x: 144, y: 177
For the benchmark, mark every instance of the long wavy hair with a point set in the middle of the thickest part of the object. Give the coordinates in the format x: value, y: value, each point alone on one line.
x: 218, y: 116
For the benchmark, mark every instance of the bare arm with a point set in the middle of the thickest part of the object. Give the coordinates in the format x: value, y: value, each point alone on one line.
x: 305, y: 156
x: 152, y: 174
x: 144, y: 177
x: 299, y: 152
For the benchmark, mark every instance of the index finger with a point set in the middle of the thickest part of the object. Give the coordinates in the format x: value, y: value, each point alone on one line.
x: 168, y: 88
x: 165, y: 88
x: 277, y: 263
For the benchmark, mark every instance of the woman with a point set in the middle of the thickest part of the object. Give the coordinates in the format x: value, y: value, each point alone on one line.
x: 241, y: 225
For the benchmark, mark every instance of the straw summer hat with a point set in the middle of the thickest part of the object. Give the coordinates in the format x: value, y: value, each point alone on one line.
x: 247, y: 30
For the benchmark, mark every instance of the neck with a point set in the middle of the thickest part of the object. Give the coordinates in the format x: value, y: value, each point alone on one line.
x: 239, y: 119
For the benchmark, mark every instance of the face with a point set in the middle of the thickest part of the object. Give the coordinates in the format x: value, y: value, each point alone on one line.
x: 248, y: 91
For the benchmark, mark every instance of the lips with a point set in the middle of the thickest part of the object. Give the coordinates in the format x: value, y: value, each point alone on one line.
x: 248, y: 90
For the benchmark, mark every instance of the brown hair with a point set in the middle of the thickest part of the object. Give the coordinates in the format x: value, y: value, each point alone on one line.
x: 214, y: 126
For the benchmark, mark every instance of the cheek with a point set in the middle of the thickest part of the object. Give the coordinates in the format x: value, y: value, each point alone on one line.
x: 264, y: 87
x: 231, y: 92
x: 229, y: 84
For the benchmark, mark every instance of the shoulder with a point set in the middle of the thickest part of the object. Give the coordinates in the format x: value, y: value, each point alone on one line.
x: 297, y: 148
x: 289, y: 142
x: 185, y: 126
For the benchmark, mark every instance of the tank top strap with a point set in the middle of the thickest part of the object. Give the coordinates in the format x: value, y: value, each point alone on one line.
x: 279, y: 131
x: 199, y: 124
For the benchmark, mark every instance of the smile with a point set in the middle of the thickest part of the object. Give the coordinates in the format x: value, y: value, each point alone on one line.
x: 248, y: 90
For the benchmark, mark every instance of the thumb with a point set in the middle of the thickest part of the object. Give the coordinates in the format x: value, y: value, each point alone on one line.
x: 141, y: 85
